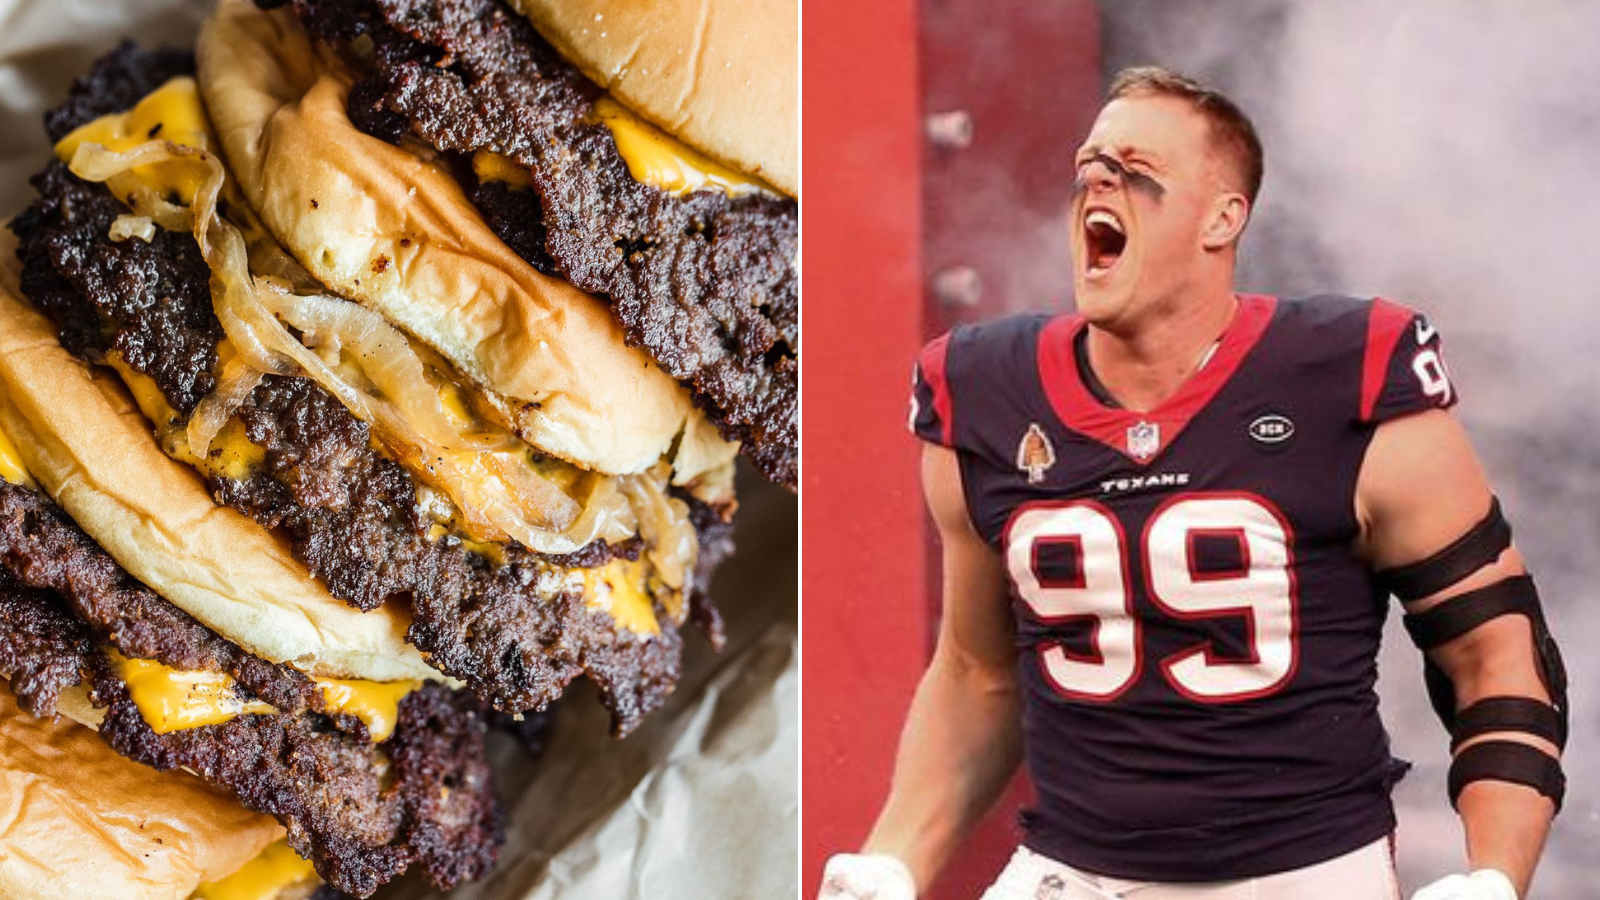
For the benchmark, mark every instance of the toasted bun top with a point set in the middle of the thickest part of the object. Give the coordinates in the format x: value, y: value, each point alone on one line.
x: 721, y: 75
x: 385, y: 227
x: 86, y: 443
x: 81, y: 821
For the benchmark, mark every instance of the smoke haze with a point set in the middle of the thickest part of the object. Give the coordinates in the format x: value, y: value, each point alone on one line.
x: 1445, y: 154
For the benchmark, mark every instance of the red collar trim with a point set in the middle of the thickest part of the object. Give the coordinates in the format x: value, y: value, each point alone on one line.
x: 1143, y: 436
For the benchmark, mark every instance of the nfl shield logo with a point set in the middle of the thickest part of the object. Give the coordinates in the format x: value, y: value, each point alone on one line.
x: 1144, y: 439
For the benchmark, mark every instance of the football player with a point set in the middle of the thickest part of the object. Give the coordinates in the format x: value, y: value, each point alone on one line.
x: 1171, y: 525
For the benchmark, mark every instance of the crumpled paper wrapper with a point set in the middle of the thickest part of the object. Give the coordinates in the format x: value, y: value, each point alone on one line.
x: 702, y: 800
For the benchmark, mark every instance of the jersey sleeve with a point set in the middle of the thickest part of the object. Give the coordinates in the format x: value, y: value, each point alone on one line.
x: 1403, y: 370
x: 930, y: 394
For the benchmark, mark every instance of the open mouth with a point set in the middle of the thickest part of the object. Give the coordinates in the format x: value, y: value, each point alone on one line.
x: 1104, y: 240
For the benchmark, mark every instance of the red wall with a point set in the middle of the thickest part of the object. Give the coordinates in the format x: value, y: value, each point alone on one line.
x: 866, y: 620
x: 884, y: 211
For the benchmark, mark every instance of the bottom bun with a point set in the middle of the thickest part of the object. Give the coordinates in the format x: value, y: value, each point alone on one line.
x: 77, y: 820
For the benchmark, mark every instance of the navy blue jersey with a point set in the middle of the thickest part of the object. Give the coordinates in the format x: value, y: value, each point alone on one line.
x: 1196, y: 638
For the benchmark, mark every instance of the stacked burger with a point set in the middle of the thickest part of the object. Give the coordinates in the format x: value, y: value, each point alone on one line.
x: 378, y: 368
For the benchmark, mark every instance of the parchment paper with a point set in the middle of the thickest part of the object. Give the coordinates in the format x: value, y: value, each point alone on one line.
x: 702, y: 801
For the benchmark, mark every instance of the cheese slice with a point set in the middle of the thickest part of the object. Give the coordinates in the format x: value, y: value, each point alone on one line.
x: 618, y: 588
x: 171, y: 699
x: 262, y: 878
x: 11, y: 467
x: 376, y: 703
x: 171, y: 112
x: 653, y: 157
x: 232, y: 454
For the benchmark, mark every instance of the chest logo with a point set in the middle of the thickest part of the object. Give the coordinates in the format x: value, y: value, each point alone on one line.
x: 1144, y: 439
x: 1035, y: 455
x: 1271, y: 429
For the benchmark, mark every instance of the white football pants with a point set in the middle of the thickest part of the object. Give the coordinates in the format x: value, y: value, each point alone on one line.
x: 1364, y: 874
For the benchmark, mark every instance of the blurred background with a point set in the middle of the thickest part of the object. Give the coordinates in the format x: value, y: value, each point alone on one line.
x: 1440, y: 153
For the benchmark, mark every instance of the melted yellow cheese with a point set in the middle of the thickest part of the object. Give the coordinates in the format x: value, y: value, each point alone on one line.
x: 456, y: 405
x: 171, y: 700
x: 618, y: 588
x: 145, y: 393
x: 261, y: 878
x: 172, y: 113
x: 490, y: 166
x: 493, y: 551
x: 11, y: 467
x: 232, y: 455
x: 656, y: 158
x: 376, y: 703
x: 653, y: 157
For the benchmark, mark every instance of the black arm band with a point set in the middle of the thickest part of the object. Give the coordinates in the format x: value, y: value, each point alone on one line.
x: 1523, y: 714
x: 1450, y: 619
x: 1508, y: 761
x: 1470, y: 552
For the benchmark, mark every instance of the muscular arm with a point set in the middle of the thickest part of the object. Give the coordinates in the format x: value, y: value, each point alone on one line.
x: 1420, y: 488
x: 962, y: 739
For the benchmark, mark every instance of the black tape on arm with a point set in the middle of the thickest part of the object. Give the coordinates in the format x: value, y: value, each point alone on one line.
x: 1454, y: 617
x: 1480, y: 546
x: 1511, y: 762
x: 1521, y: 714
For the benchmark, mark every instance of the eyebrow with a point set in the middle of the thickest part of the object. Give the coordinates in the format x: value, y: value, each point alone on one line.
x: 1090, y: 151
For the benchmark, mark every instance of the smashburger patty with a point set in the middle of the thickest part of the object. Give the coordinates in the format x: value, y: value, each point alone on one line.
x: 704, y: 282
x: 42, y: 550
x: 361, y: 812
x: 351, y: 514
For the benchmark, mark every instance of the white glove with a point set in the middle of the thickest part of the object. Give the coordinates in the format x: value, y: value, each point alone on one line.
x: 1483, y: 884
x: 871, y: 876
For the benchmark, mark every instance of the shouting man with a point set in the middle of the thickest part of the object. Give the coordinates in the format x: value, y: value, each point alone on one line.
x: 1171, y: 524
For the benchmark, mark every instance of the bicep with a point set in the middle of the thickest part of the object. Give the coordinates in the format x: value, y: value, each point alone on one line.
x: 1421, y: 489
x: 976, y: 629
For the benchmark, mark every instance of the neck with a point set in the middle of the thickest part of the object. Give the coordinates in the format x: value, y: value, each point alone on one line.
x: 1144, y: 365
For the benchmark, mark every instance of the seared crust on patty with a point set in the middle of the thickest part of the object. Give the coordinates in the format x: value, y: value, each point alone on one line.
x: 118, y: 80
x: 704, y: 282
x: 516, y: 633
x: 362, y: 812
x: 513, y: 632
x: 328, y: 788
x: 88, y: 285
x: 43, y: 648
x: 41, y: 548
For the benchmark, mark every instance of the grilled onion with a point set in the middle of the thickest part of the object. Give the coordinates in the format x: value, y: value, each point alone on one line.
x: 130, y: 225
x: 664, y: 524
x: 234, y: 384
x: 488, y: 478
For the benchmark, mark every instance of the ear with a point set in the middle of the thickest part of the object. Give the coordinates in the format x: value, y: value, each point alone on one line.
x: 1229, y: 213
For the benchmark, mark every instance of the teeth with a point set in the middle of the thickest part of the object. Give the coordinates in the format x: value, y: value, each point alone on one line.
x: 1102, y: 217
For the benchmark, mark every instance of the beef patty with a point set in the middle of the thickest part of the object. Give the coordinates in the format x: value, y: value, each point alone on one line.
x: 361, y: 812
x: 511, y: 631
x: 703, y: 282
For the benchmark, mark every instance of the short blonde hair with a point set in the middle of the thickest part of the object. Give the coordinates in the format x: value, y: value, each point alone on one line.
x: 1231, y: 129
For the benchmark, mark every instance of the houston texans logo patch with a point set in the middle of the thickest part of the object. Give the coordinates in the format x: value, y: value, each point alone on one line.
x: 1035, y: 455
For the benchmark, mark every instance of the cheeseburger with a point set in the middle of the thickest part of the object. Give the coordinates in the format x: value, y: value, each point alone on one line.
x: 359, y: 778
x: 378, y: 368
